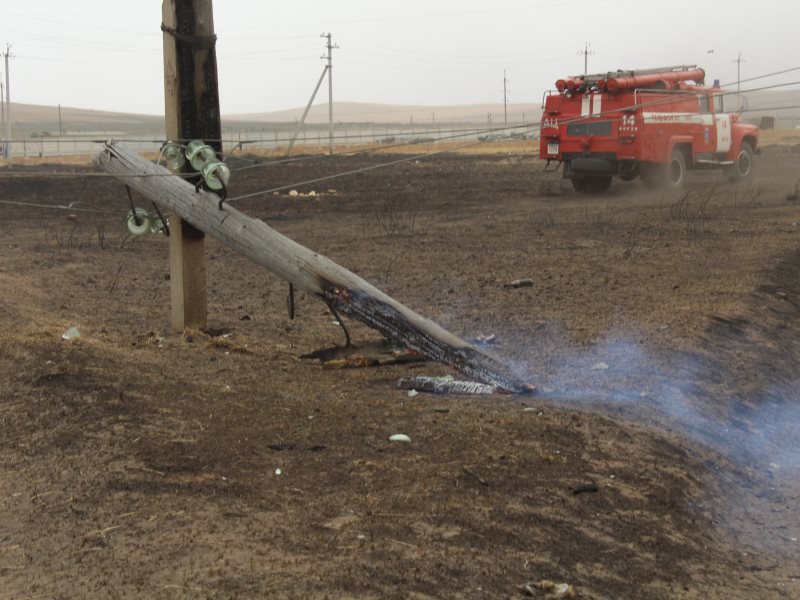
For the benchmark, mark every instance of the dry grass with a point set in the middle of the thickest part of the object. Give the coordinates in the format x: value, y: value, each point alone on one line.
x: 477, y: 148
x: 779, y: 136
x: 73, y: 160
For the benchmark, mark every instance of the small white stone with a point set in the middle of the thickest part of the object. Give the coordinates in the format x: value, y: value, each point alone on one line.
x: 278, y: 472
x: 400, y: 437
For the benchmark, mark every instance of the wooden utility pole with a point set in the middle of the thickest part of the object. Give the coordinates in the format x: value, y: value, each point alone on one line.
x: 586, y: 52
x: 329, y: 56
x: 7, y: 147
x: 191, y: 112
x: 505, y: 98
x: 340, y: 289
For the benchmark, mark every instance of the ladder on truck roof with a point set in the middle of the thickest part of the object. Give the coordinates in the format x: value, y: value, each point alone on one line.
x: 614, y: 81
x: 594, y: 78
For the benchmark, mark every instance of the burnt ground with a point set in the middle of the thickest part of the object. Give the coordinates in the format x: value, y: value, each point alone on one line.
x: 661, y: 331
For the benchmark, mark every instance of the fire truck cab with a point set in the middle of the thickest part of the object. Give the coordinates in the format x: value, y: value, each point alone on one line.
x: 655, y: 124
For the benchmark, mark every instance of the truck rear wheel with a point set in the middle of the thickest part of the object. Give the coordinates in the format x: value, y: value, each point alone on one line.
x: 743, y: 165
x: 594, y: 184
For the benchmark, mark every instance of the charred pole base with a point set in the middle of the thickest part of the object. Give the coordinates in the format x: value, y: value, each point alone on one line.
x: 304, y: 269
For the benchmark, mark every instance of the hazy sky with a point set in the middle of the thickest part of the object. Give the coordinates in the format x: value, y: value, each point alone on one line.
x: 107, y: 54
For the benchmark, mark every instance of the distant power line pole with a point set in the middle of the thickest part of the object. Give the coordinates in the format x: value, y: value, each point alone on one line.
x: 7, y: 146
x: 586, y: 52
x: 2, y: 117
x: 329, y: 56
x: 505, y: 98
x: 738, y: 60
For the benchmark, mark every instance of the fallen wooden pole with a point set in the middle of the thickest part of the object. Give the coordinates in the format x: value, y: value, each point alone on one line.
x: 340, y: 289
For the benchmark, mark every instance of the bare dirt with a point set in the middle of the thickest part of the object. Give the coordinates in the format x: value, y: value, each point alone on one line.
x: 661, y: 331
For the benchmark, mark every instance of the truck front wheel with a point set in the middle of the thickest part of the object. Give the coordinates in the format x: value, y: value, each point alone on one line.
x: 743, y: 165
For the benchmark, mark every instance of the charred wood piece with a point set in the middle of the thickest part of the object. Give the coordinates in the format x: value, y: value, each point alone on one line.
x: 445, y: 385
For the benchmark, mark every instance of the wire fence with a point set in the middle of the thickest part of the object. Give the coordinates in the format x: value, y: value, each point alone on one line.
x: 263, y: 139
x: 345, y: 136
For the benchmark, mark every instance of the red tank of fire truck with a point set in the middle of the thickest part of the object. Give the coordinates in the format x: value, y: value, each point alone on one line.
x: 655, y: 124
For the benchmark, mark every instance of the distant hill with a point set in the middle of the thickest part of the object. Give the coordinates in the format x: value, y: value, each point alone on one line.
x: 33, y: 119
x: 36, y: 120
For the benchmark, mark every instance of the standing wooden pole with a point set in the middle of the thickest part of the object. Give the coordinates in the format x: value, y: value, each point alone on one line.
x: 191, y: 94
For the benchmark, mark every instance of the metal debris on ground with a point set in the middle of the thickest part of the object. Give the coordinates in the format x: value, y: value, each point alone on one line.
x: 549, y: 589
x: 282, y: 447
x: 486, y: 340
x: 519, y: 283
x: 475, y: 476
x: 71, y: 334
x: 584, y: 488
x: 445, y: 385
x: 368, y: 354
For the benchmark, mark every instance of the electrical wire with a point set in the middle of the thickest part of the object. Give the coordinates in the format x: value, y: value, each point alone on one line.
x: 461, y: 134
x: 774, y: 74
x: 69, y: 174
x: 238, y: 142
x: 352, y: 172
x: 70, y: 207
x: 765, y: 108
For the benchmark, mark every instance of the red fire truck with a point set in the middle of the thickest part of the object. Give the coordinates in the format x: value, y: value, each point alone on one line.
x: 654, y: 124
